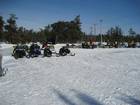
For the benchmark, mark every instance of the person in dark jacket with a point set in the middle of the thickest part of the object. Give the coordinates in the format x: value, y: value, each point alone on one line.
x: 45, y: 45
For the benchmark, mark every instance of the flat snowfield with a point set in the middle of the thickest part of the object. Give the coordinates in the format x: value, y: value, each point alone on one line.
x: 91, y: 77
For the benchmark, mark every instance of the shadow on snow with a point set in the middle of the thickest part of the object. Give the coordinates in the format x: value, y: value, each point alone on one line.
x: 129, y: 99
x: 88, y: 100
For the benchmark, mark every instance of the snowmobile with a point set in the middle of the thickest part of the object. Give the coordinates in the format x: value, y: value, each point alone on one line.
x: 34, y: 51
x: 19, y: 51
x: 47, y: 52
x: 50, y: 51
x: 65, y: 51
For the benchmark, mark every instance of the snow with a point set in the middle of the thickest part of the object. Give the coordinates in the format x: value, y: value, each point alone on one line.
x: 6, y: 49
x: 4, y: 45
x: 92, y: 77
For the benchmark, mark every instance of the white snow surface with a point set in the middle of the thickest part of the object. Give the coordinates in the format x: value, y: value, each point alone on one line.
x: 6, y: 49
x: 91, y: 77
x: 3, y: 45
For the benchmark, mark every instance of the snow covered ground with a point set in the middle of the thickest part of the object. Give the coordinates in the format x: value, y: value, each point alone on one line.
x: 6, y: 49
x: 92, y: 77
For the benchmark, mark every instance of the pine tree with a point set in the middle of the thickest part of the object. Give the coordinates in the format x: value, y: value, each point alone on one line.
x: 11, y: 28
x: 1, y: 28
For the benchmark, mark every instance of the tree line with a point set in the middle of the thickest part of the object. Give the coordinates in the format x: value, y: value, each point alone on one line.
x: 59, y: 32
x: 115, y: 36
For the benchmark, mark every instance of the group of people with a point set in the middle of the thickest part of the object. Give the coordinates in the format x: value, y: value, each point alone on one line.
x: 35, y: 50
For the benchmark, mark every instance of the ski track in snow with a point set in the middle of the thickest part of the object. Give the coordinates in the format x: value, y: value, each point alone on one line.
x: 91, y: 77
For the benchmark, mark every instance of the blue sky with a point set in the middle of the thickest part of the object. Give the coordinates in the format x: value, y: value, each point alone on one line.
x: 35, y: 14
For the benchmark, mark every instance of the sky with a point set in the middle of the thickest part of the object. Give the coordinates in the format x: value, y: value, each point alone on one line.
x: 35, y: 14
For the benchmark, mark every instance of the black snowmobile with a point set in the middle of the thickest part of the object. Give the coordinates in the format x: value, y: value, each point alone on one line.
x: 65, y: 51
x: 34, y: 51
x: 19, y: 51
x: 47, y: 52
x: 50, y: 51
